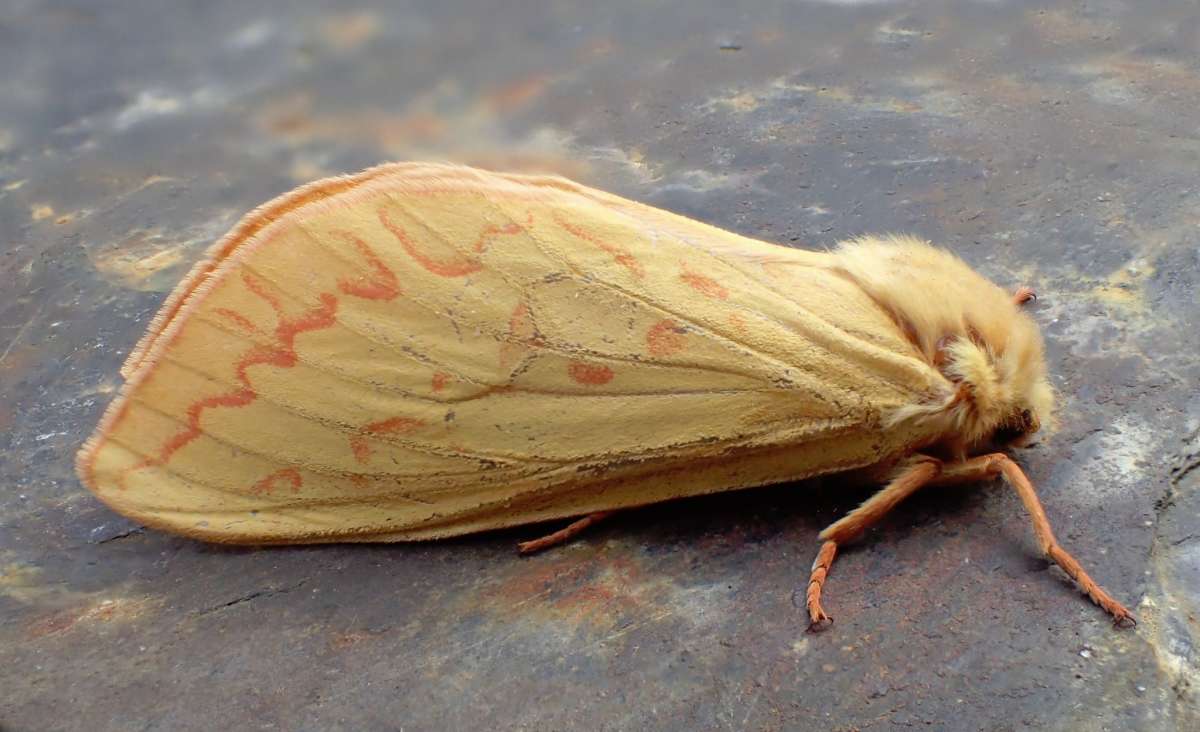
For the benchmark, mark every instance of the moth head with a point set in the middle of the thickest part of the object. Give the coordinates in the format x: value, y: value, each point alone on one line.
x: 994, y: 388
x: 1001, y: 392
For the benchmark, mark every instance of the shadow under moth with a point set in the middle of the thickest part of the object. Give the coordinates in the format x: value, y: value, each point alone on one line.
x: 424, y: 350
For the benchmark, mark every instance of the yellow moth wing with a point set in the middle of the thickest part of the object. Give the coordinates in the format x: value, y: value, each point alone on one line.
x: 243, y: 232
x: 429, y: 350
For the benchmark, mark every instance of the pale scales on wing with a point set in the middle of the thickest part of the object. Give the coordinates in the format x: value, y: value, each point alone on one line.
x: 339, y: 319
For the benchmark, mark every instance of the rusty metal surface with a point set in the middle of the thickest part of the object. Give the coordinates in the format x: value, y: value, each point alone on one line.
x: 1054, y: 145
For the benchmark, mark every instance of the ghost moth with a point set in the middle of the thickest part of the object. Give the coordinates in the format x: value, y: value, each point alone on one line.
x: 424, y: 350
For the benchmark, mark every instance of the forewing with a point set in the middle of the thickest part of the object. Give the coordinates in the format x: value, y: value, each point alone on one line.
x: 439, y: 350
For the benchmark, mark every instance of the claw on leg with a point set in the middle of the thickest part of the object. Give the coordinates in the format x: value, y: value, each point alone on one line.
x: 819, y: 619
x: 1122, y: 618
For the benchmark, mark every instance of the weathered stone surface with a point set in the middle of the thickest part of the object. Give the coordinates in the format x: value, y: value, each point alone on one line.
x: 1053, y: 145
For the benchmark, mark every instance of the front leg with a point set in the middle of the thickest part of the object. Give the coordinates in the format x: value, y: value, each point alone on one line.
x: 909, y: 480
x: 990, y: 466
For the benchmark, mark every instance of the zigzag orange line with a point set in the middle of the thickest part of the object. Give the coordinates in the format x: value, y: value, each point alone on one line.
x: 619, y: 253
x: 393, y: 425
x: 267, y: 485
x: 455, y: 266
x: 492, y: 231
x: 283, y: 356
x: 380, y: 284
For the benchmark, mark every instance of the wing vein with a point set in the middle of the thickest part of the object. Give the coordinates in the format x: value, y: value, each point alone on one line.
x: 562, y: 349
x: 351, y: 498
x: 346, y: 429
x: 662, y: 310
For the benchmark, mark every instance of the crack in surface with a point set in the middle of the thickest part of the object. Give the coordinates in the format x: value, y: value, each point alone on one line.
x: 129, y: 532
x: 268, y: 592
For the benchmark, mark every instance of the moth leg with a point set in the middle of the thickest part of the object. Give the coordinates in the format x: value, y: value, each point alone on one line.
x: 562, y: 535
x: 908, y: 481
x: 818, y: 619
x: 1024, y: 295
x: 988, y: 466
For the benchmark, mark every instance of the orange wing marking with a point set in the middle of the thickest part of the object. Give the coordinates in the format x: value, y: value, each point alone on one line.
x: 391, y: 426
x: 266, y: 486
x: 380, y: 284
x: 240, y: 320
x: 589, y: 373
x: 665, y: 338
x: 523, y: 333
x: 491, y: 232
x: 282, y: 355
x: 704, y: 285
x: 454, y: 266
x: 619, y: 254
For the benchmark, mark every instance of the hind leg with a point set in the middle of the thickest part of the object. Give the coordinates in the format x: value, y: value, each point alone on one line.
x: 562, y: 535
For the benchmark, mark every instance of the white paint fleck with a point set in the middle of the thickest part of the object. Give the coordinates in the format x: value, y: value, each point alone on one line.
x: 1113, y: 462
x: 702, y: 181
x: 147, y: 104
x: 888, y: 32
x: 152, y: 103
x: 253, y: 35
x: 1130, y: 443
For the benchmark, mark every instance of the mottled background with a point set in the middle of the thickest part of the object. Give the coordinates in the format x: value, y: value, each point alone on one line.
x: 1051, y: 144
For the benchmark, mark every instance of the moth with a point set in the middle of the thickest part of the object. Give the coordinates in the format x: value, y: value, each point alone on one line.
x: 426, y: 350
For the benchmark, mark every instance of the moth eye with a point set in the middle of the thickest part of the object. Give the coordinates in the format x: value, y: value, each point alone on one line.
x: 1027, y: 416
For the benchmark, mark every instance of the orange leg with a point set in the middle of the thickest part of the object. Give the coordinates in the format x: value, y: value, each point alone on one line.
x: 1000, y: 464
x: 850, y: 526
x: 818, y: 619
x: 562, y: 535
x: 1024, y: 295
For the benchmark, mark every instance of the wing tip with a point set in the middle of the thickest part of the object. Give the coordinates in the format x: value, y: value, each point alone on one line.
x: 85, y: 460
x: 244, y: 230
